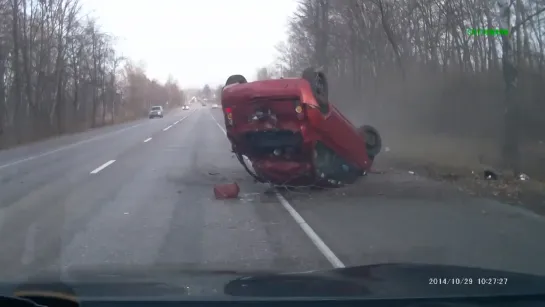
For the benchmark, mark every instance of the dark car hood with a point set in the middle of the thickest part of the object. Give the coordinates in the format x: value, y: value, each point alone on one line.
x: 391, y: 280
x: 372, y: 281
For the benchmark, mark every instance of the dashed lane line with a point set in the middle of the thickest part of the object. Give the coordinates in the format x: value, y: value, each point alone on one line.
x: 47, y: 153
x: 103, y: 166
x: 73, y: 145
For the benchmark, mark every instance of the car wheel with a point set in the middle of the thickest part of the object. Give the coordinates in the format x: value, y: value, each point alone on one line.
x: 373, y: 141
x: 254, y: 175
x: 234, y: 79
x: 320, y: 89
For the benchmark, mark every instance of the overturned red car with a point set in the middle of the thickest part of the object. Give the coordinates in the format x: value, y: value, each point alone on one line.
x: 292, y: 134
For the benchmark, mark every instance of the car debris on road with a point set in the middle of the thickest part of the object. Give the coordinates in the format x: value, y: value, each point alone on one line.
x: 523, y: 177
x: 226, y: 190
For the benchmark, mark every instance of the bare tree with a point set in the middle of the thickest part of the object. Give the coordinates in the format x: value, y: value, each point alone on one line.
x: 206, y: 91
x: 263, y: 74
x: 61, y: 73
x: 415, y: 67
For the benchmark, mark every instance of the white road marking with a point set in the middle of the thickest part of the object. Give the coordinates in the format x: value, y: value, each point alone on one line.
x: 178, y: 121
x: 222, y: 129
x: 243, y: 157
x: 318, y: 242
x: 68, y: 146
x: 147, y: 140
x: 30, y: 243
x: 103, y: 166
x: 311, y: 234
x: 95, y: 138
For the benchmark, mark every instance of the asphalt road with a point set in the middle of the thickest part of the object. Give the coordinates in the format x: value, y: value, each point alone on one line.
x: 142, y: 193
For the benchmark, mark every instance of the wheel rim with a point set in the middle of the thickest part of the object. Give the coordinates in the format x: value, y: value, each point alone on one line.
x: 370, y: 139
x: 320, y: 85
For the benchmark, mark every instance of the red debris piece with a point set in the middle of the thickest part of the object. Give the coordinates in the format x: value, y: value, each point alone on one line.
x: 225, y: 191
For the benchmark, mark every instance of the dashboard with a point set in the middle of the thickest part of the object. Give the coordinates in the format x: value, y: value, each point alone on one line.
x: 67, y: 300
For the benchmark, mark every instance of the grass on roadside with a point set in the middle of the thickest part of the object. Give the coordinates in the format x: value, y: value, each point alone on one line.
x: 462, y: 162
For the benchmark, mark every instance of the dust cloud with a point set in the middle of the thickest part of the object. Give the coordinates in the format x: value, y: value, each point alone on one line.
x: 452, y: 120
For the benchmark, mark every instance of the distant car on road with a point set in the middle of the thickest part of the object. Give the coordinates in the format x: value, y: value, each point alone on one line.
x: 156, y: 111
x: 185, y: 107
x: 215, y: 106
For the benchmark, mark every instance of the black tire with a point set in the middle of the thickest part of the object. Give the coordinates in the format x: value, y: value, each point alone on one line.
x: 319, y: 85
x: 234, y: 79
x: 256, y: 177
x: 373, y: 141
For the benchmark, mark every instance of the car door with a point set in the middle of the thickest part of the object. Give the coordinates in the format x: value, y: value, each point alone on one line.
x: 339, y: 133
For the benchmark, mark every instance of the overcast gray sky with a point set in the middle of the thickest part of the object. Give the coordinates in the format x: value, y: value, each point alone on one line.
x: 197, y: 41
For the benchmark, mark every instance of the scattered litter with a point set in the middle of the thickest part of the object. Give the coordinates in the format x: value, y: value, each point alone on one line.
x: 387, y: 149
x: 411, y: 172
x: 126, y: 213
x: 251, y: 194
x: 228, y: 190
x: 523, y: 177
x: 249, y: 197
x: 490, y: 175
x: 213, y: 173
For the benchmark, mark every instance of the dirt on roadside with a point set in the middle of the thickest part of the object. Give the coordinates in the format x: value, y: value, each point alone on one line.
x: 470, y: 179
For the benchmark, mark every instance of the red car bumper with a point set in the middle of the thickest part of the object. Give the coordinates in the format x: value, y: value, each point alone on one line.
x: 305, y: 169
x: 284, y: 172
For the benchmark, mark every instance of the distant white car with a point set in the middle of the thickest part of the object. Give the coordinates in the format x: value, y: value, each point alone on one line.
x: 156, y: 111
x: 215, y: 106
x: 185, y: 107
